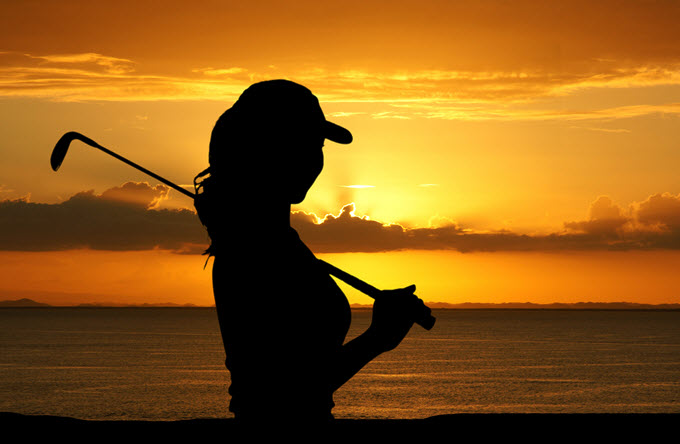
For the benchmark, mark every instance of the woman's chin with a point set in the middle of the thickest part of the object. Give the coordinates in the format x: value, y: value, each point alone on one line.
x: 297, y: 198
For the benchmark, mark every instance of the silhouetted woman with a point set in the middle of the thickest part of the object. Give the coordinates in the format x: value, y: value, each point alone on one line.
x: 282, y: 317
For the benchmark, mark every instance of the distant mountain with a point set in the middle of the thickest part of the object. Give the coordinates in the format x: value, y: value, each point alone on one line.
x: 23, y: 303
x: 553, y: 306
x: 145, y: 304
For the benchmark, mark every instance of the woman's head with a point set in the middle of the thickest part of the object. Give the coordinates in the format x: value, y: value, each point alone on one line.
x: 266, y: 148
x: 271, y: 139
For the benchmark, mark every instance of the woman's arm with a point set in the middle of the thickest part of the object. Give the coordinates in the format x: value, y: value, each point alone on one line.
x: 393, y: 317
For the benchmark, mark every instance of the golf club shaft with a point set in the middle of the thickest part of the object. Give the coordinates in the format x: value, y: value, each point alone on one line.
x: 367, y: 289
x: 426, y: 321
x: 94, y: 144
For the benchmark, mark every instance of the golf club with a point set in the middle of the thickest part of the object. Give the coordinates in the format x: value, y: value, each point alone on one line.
x: 61, y: 148
x: 425, y: 319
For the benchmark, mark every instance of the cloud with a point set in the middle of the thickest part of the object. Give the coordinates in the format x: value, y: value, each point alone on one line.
x: 651, y: 224
x: 416, y: 87
x: 111, y: 65
x: 604, y: 130
x: 121, y: 218
x: 127, y: 218
x: 660, y: 210
x: 347, y: 232
x: 137, y: 194
x: 490, y: 111
x: 389, y: 115
x: 345, y: 114
x: 92, y: 76
x: 449, y: 94
x: 400, y: 51
x: 658, y: 213
x: 220, y: 71
x: 606, y: 219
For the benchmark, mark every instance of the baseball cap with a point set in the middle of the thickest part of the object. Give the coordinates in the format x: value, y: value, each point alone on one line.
x: 280, y: 104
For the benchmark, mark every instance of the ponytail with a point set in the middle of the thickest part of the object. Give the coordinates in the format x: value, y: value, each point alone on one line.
x: 204, y: 202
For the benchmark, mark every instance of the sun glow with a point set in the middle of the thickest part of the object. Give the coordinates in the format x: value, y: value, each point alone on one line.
x: 503, y: 131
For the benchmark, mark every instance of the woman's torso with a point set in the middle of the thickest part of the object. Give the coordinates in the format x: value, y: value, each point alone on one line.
x: 283, y: 321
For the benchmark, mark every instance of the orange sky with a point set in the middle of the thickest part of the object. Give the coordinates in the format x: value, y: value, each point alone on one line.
x: 535, y: 136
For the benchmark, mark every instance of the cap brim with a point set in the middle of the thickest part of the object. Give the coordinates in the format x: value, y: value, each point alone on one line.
x: 337, y: 134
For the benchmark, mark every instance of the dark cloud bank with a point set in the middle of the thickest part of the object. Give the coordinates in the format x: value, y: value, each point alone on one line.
x: 652, y: 224
x: 122, y: 218
x: 127, y: 218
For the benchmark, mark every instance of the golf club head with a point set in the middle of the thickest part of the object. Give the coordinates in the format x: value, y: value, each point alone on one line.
x: 61, y: 148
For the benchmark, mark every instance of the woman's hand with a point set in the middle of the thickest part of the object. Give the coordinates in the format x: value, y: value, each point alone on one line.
x: 394, y: 313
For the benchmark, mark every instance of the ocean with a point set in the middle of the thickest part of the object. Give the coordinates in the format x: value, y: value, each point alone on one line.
x: 168, y: 364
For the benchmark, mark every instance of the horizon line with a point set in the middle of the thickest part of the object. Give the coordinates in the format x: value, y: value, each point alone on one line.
x: 622, y: 305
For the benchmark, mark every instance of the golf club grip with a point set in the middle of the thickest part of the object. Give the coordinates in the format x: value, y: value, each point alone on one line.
x: 425, y: 319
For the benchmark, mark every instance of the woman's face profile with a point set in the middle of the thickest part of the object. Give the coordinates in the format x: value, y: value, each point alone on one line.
x: 284, y: 168
x: 305, y: 163
x: 277, y: 158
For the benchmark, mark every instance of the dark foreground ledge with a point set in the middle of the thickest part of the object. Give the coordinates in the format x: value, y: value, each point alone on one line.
x: 528, y: 427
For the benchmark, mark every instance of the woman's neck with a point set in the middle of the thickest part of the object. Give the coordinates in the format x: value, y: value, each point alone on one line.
x: 265, y: 217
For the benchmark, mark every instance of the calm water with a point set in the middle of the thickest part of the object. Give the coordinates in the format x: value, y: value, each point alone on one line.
x: 167, y: 364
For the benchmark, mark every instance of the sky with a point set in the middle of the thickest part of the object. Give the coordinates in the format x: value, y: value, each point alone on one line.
x: 517, y: 151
